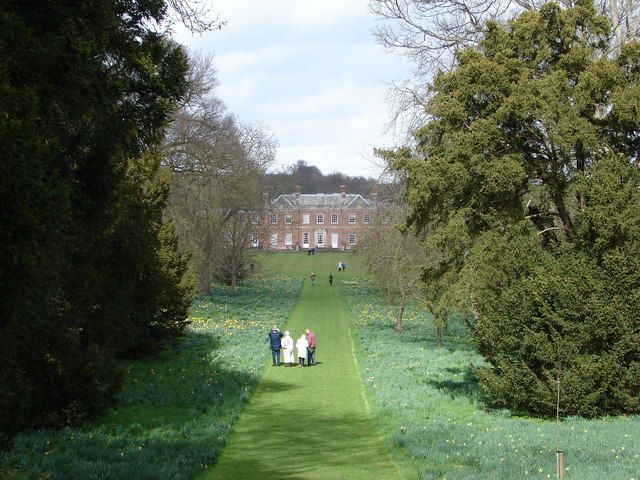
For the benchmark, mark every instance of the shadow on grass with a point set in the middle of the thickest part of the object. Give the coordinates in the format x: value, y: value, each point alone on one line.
x: 173, y: 418
x: 468, y: 386
x: 324, y: 446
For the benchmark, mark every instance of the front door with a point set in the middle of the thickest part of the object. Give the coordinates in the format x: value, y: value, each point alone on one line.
x: 334, y: 240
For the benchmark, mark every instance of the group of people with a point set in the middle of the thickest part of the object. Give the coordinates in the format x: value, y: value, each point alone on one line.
x: 305, y: 347
x: 342, y: 266
x: 313, y: 279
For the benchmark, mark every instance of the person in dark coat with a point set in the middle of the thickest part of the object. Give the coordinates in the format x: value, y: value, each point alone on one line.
x: 274, y: 343
x: 331, y: 279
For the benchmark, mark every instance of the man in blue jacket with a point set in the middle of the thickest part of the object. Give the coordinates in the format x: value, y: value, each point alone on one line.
x: 274, y: 341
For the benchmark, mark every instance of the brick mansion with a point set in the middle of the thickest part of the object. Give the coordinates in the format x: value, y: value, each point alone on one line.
x: 336, y: 221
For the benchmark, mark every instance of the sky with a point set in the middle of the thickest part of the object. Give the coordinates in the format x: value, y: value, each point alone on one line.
x: 311, y: 72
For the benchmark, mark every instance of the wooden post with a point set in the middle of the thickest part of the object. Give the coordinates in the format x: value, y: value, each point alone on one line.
x: 559, y: 464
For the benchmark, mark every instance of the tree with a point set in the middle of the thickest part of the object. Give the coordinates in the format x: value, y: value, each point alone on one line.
x: 508, y: 180
x: 85, y: 92
x: 311, y: 180
x: 430, y: 32
x: 218, y: 165
x: 392, y: 258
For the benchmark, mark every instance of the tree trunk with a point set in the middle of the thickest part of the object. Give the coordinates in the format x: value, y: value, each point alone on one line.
x: 565, y: 217
x: 398, y: 328
x: 438, y: 335
x: 234, y: 281
x: 204, y: 284
x: 580, y: 165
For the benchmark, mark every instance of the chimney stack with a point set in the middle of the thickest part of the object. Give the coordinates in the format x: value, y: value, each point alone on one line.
x: 374, y: 195
x: 297, y: 192
x: 343, y: 190
x: 265, y: 196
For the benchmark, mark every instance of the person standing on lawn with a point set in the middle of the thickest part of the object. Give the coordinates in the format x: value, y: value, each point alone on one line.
x: 313, y: 279
x: 274, y: 343
x: 287, y: 349
x: 311, y: 348
x: 301, y: 346
x: 331, y: 279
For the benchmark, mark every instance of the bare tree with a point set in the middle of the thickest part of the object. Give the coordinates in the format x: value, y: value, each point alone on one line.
x: 429, y: 32
x: 217, y: 165
x: 195, y: 15
x: 392, y: 258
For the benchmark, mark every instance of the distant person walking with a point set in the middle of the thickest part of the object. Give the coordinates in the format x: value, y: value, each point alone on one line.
x: 274, y: 343
x: 287, y: 349
x: 301, y: 346
x: 313, y: 279
x: 311, y: 348
x: 331, y: 279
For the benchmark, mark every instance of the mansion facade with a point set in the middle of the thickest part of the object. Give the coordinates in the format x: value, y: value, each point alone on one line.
x: 337, y: 221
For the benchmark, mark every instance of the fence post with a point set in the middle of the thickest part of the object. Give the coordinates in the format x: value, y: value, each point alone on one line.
x: 559, y: 464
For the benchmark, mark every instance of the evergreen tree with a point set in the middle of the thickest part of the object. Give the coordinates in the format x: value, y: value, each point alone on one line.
x: 87, y: 269
x: 524, y: 178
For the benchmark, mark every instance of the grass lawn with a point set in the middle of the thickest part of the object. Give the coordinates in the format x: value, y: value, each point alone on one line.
x: 312, y: 422
x: 429, y: 405
x: 175, y: 411
x: 390, y: 407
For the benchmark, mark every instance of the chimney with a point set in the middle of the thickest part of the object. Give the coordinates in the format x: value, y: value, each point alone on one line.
x: 265, y: 197
x: 297, y: 193
x: 374, y: 195
x: 343, y: 190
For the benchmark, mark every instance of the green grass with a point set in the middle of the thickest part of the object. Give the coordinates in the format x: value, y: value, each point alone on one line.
x: 309, y: 423
x: 176, y: 411
x: 179, y: 413
x: 429, y: 405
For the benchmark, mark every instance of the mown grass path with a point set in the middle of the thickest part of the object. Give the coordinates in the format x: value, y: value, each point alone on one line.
x: 309, y: 423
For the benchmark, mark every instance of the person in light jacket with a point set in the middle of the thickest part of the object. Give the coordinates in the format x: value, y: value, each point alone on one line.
x: 287, y: 349
x: 301, y: 346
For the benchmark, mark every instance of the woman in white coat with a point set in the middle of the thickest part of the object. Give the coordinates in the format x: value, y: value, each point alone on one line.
x: 287, y: 349
x: 301, y: 346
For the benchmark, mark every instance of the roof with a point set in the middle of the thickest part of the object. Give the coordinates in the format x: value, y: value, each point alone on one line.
x: 322, y: 200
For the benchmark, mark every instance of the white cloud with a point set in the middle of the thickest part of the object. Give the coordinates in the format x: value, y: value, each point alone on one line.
x: 311, y: 71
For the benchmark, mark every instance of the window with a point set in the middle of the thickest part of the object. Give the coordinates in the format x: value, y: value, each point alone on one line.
x: 274, y: 218
x: 366, y: 218
x: 352, y: 239
x: 305, y: 219
x: 287, y: 219
x: 274, y: 239
x: 254, y: 240
x: 352, y: 218
x: 320, y: 239
x: 305, y: 239
x: 288, y: 239
x: 334, y: 218
x: 320, y: 218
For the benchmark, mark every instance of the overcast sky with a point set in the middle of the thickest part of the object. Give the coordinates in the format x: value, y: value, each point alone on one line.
x: 310, y: 71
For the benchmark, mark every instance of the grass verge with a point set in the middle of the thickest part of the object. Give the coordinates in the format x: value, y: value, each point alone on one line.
x: 175, y: 411
x: 430, y: 406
